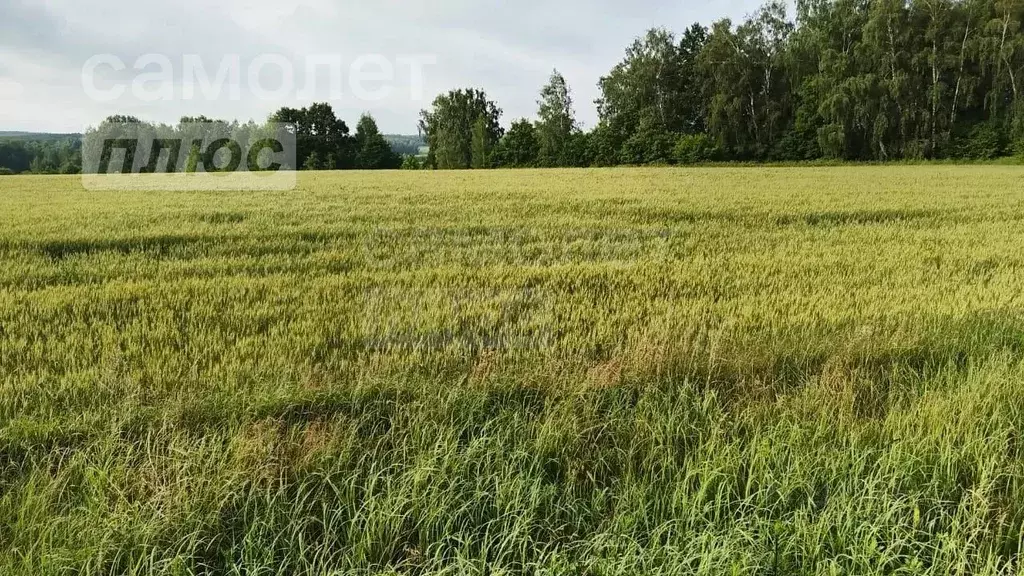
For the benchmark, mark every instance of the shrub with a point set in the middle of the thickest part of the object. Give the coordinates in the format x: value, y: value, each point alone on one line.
x: 983, y: 142
x: 832, y: 140
x: 917, y: 149
x: 693, y: 149
x: 6, y: 171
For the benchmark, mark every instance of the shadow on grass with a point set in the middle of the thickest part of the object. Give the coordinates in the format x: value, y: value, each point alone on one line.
x: 218, y: 218
x: 168, y: 245
x: 160, y: 246
x: 856, y: 217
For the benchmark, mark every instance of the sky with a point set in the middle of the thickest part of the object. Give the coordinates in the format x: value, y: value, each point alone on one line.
x: 389, y: 57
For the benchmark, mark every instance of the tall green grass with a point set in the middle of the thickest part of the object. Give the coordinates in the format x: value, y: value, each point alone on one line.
x: 627, y: 371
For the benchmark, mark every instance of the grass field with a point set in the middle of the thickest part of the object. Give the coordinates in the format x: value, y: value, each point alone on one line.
x: 630, y: 371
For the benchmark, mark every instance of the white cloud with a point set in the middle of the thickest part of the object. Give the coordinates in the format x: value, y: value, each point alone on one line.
x: 507, y: 48
x: 10, y: 90
x: 263, y: 16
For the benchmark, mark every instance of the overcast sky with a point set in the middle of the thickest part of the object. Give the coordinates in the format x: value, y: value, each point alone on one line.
x: 507, y: 47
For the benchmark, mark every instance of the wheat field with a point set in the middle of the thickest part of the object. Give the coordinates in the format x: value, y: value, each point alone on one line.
x: 600, y: 372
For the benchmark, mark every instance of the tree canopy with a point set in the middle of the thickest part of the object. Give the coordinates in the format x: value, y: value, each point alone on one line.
x: 462, y: 129
x: 373, y: 152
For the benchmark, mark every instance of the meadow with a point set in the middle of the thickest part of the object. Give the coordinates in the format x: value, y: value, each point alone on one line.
x: 599, y: 372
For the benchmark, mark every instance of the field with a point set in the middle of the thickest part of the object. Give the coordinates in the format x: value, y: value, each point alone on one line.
x: 601, y: 372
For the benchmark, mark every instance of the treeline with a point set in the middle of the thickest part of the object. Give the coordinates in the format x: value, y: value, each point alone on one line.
x: 323, y: 141
x: 844, y: 79
x: 855, y: 80
x: 43, y: 156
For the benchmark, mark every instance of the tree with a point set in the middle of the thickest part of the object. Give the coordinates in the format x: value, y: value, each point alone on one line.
x: 462, y: 128
x: 15, y: 156
x: 579, y: 151
x: 318, y: 130
x: 518, y: 148
x: 692, y: 114
x: 373, y: 152
x: 481, y: 144
x: 749, y: 100
x: 887, y: 42
x: 605, y: 144
x: 410, y: 162
x: 192, y: 161
x: 42, y: 154
x: 693, y: 149
x: 313, y: 162
x: 658, y: 83
x: 831, y: 99
x: 649, y: 144
x: 1002, y: 56
x: 557, y: 122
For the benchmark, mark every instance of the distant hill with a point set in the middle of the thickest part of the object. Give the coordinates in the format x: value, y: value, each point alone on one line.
x: 410, y: 145
x: 37, y: 136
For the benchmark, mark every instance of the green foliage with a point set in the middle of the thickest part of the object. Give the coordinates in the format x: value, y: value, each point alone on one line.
x: 659, y: 79
x: 832, y: 141
x: 845, y: 79
x: 693, y: 149
x: 411, y: 163
x: 4, y: 171
x: 461, y: 128
x: 556, y: 122
x: 6, y: 136
x: 41, y: 154
x: 749, y: 107
x: 649, y: 144
x: 984, y: 142
x: 579, y: 152
x: 193, y: 159
x: 605, y: 145
x: 313, y: 162
x: 373, y: 151
x: 322, y: 139
x: 481, y: 144
x: 519, y: 147
x: 319, y: 132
